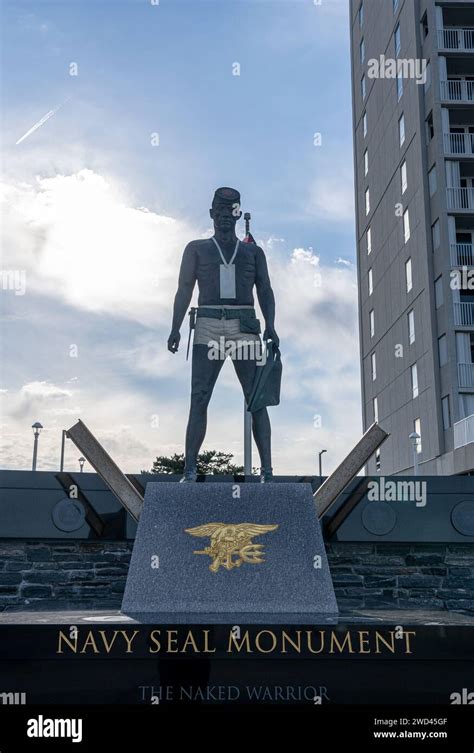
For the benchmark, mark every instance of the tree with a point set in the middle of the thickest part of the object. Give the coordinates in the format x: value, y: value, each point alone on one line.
x: 209, y: 463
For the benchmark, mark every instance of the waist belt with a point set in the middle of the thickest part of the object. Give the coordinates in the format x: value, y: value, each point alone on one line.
x: 222, y: 312
x: 215, y: 312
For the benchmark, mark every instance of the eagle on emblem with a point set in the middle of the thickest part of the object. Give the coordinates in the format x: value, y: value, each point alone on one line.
x: 229, y: 539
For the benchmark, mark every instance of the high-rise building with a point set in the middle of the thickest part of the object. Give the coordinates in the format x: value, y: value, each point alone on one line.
x: 413, y: 115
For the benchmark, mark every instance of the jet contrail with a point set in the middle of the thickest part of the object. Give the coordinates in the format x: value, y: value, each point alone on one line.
x: 41, y: 122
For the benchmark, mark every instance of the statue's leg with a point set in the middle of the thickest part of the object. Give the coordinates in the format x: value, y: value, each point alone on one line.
x: 245, y: 370
x: 204, y: 375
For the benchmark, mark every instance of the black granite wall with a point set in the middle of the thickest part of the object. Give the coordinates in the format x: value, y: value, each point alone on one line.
x: 91, y: 575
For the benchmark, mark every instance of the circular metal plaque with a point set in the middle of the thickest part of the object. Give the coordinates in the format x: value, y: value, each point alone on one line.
x: 378, y: 518
x: 68, y: 514
x: 462, y: 518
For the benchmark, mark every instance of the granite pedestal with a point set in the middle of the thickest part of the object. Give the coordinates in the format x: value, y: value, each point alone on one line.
x: 227, y: 553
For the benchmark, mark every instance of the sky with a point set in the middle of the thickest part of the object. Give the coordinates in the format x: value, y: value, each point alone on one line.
x: 143, y: 109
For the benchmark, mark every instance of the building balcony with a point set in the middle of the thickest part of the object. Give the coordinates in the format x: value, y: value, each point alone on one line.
x: 463, y: 432
x: 459, y: 143
x: 464, y: 314
x: 462, y: 254
x: 456, y: 39
x: 466, y: 374
x: 460, y: 198
x: 457, y: 90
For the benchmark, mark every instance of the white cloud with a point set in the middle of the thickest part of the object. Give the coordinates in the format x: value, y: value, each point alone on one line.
x: 44, y: 389
x: 304, y: 255
x: 79, y: 240
x: 120, y: 420
x: 340, y: 260
x: 35, y: 400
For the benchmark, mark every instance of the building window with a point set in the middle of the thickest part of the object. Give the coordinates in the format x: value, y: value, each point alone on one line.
x: 417, y: 428
x: 363, y: 87
x: 466, y: 404
x: 366, y: 162
x: 429, y: 127
x: 362, y: 51
x: 373, y: 367
x: 376, y: 410
x: 364, y: 123
x: 424, y: 25
x: 371, y: 281
x: 408, y: 275
x: 414, y: 380
x: 432, y: 181
x: 406, y: 226
x: 399, y: 86
x: 411, y: 327
x: 367, y: 201
x: 446, y: 412
x: 439, y: 298
x: 377, y: 460
x: 361, y: 14
x: 427, y: 76
x: 401, y: 130
x: 398, y: 40
x: 372, y: 322
x: 369, y: 240
x: 403, y: 176
x: 435, y: 235
x: 443, y: 350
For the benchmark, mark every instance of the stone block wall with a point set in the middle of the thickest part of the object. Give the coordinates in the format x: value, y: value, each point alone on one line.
x: 403, y: 576
x: 63, y: 575
x: 91, y: 575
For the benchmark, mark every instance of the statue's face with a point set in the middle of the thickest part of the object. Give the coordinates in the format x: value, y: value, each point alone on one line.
x: 225, y: 214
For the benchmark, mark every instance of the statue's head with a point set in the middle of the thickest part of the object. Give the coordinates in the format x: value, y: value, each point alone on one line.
x: 225, y: 210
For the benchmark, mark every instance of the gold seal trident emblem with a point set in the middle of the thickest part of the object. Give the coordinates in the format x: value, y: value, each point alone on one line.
x: 228, y: 539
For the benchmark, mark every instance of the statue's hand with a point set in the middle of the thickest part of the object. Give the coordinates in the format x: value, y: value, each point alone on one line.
x: 173, y: 341
x: 270, y: 334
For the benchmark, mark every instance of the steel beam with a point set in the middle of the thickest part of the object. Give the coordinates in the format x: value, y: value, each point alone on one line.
x: 110, y: 473
x: 328, y: 492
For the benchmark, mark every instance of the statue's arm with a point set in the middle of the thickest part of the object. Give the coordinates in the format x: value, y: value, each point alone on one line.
x: 182, y: 299
x: 265, y: 296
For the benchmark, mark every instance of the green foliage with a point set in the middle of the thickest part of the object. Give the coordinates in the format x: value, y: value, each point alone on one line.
x: 209, y: 463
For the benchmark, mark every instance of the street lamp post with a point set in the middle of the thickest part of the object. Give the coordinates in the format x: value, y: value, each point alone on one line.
x: 63, y: 443
x: 415, y: 438
x: 321, y: 462
x: 36, y: 432
x: 81, y: 463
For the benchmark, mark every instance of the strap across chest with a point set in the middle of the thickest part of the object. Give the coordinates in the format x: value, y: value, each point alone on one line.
x: 227, y: 263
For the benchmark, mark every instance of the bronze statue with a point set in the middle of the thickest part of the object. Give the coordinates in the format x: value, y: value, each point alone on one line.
x: 224, y: 323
